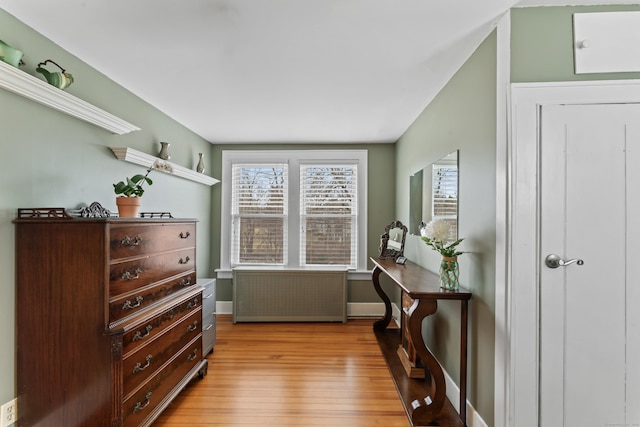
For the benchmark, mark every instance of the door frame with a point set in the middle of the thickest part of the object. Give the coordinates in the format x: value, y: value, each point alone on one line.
x: 517, y: 297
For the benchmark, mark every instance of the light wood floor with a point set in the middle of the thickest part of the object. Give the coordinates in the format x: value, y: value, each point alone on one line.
x: 291, y: 374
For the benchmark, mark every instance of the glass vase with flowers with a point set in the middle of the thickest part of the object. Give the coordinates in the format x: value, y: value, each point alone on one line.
x: 437, y: 235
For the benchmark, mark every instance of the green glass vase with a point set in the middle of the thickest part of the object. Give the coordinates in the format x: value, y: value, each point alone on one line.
x: 449, y: 273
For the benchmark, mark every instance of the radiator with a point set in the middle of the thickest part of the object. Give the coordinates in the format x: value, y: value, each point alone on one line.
x: 289, y: 295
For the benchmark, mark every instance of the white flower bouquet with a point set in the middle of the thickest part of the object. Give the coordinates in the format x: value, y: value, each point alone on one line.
x: 436, y: 234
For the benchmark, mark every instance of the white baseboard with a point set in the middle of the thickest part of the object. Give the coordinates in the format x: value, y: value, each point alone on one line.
x: 224, y: 307
x: 365, y: 309
x: 453, y: 394
x: 354, y: 309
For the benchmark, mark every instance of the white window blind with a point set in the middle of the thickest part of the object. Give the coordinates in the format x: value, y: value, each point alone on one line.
x: 328, y: 214
x: 445, y: 195
x: 259, y: 209
x: 293, y: 208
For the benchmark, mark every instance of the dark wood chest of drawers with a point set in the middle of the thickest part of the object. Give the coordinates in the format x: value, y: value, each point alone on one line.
x: 108, y: 319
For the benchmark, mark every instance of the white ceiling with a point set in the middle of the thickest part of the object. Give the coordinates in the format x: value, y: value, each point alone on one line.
x: 253, y: 71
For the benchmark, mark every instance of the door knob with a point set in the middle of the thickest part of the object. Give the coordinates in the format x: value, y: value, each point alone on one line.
x: 554, y: 261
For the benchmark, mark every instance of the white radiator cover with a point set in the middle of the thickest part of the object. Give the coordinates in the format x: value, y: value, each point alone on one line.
x: 298, y: 295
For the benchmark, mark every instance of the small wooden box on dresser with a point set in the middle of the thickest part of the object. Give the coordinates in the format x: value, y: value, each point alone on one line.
x: 108, y: 318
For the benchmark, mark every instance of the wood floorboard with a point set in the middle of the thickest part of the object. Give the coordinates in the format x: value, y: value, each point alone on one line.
x: 291, y: 375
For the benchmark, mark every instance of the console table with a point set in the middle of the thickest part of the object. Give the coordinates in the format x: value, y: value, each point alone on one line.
x: 424, y: 400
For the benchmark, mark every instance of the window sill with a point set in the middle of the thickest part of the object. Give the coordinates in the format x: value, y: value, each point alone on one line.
x: 351, y: 275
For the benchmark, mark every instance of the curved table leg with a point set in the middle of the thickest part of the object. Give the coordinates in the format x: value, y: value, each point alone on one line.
x: 428, y: 408
x: 381, y: 324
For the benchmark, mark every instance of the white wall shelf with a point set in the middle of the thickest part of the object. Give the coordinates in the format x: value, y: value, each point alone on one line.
x: 139, y: 158
x: 30, y: 87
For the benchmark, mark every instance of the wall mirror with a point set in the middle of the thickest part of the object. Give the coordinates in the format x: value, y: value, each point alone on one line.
x: 392, y: 240
x: 433, y: 194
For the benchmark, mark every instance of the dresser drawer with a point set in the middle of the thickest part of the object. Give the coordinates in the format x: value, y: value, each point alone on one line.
x: 130, y: 303
x: 127, y: 276
x: 142, y: 403
x: 149, y: 358
x: 155, y: 326
x: 208, y: 332
x: 135, y: 240
x: 208, y: 314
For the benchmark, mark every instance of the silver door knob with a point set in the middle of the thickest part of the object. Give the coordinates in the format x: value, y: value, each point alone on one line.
x: 554, y: 261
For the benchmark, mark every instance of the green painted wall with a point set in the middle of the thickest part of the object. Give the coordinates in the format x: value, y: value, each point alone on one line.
x: 52, y: 159
x: 462, y: 116
x: 380, y: 212
x: 55, y: 160
x: 58, y: 160
x: 542, y: 44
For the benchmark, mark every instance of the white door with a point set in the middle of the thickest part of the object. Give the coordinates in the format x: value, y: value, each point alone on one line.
x: 589, y: 343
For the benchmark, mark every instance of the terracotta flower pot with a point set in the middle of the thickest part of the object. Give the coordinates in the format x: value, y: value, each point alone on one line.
x: 128, y: 207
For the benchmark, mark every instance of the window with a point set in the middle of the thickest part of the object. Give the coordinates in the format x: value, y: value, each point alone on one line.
x: 294, y: 208
x: 259, y: 214
x: 444, y: 203
x: 328, y: 214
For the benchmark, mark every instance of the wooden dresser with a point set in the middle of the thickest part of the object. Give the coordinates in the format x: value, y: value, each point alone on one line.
x: 108, y: 318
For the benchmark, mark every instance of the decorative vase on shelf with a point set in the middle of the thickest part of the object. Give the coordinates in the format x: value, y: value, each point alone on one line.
x: 128, y: 207
x: 200, y: 167
x: 449, y: 271
x: 164, y: 151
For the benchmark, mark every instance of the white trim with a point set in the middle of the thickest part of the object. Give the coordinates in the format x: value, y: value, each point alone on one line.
x: 365, y: 309
x: 224, y: 307
x: 351, y: 275
x: 354, y: 309
x: 501, y: 359
x: 293, y: 158
x: 453, y: 394
x: 523, y: 257
x: 23, y: 84
x: 139, y: 158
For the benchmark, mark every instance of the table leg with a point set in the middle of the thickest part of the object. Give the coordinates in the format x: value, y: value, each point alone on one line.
x: 463, y: 360
x: 381, y: 324
x: 428, y: 408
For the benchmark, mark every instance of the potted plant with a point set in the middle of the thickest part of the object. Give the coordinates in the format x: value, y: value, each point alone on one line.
x: 437, y: 235
x: 129, y: 193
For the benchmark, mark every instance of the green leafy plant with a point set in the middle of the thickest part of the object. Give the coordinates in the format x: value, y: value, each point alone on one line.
x: 132, y: 187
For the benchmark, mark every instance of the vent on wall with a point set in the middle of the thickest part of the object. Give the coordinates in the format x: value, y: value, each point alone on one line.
x: 606, y: 42
x: 289, y: 295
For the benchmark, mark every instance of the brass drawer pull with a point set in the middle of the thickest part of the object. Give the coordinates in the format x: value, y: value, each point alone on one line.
x: 138, y: 335
x: 185, y: 282
x: 128, y: 241
x: 184, y: 261
x: 131, y: 274
x: 139, y: 367
x: 192, y: 355
x: 141, y: 405
x: 192, y: 304
x: 128, y: 305
x: 192, y: 327
x: 184, y: 235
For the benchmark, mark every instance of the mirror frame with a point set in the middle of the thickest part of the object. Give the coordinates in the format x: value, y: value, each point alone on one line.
x: 385, y: 251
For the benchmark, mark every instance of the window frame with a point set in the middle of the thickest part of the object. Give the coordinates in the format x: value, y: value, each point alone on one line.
x: 294, y: 158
